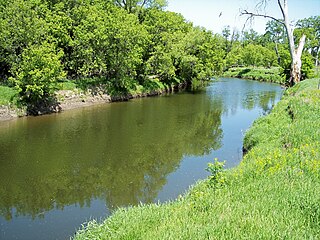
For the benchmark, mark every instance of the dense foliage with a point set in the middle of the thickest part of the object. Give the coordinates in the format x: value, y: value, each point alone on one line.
x: 124, y: 45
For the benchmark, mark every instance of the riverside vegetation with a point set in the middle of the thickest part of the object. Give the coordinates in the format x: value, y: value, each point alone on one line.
x: 127, y: 48
x: 273, y: 194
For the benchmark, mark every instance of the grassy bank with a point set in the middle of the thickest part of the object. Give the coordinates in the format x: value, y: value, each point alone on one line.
x: 256, y: 73
x: 273, y: 194
x: 7, y: 95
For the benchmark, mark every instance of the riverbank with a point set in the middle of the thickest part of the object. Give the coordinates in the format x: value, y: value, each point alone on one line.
x: 256, y: 73
x: 73, y: 98
x: 273, y: 194
x: 73, y: 95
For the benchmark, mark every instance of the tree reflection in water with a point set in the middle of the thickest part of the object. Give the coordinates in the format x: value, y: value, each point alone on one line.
x: 121, y: 152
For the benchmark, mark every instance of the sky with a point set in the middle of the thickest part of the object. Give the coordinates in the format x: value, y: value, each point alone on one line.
x: 216, y: 14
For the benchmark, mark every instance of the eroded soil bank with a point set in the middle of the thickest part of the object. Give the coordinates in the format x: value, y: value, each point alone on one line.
x: 70, y: 99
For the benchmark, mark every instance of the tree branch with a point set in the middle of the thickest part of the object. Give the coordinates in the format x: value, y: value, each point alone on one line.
x: 119, y: 3
x: 281, y: 8
x: 143, y: 3
x: 252, y: 15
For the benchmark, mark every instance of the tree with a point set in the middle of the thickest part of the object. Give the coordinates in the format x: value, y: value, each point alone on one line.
x: 275, y: 32
x: 22, y: 23
x: 230, y: 39
x: 295, y: 53
x: 135, y: 5
x: 311, y: 28
x: 250, y: 37
x: 36, y: 75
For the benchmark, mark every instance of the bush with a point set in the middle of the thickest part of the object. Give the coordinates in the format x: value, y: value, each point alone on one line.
x: 36, y: 75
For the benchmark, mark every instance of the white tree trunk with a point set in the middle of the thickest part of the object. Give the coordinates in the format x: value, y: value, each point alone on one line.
x: 317, y: 57
x: 295, y: 73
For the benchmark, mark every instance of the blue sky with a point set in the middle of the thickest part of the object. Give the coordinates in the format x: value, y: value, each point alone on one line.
x: 206, y: 12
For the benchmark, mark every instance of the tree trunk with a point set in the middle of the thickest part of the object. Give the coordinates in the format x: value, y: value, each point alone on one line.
x: 295, y: 74
x: 317, y: 56
x: 277, y: 52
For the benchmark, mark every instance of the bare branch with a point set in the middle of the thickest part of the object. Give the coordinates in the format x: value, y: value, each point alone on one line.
x: 143, y: 3
x: 281, y: 8
x: 261, y: 5
x: 252, y: 15
x: 119, y: 3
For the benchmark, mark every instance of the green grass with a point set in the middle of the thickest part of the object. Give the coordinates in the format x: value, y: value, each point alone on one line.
x: 273, y: 194
x: 304, y: 86
x: 256, y: 73
x: 67, y: 85
x: 7, y: 95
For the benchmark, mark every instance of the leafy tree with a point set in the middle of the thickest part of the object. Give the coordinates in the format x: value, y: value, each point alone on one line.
x: 22, y: 23
x: 307, y: 68
x: 166, y: 30
x: 36, y: 75
x: 257, y: 55
x: 132, y: 6
x: 107, y: 42
x: 230, y: 39
x: 275, y: 33
x: 311, y: 28
x: 234, y: 57
x: 250, y: 37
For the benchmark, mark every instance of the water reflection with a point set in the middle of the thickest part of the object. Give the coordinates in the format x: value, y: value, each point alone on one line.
x: 121, y: 153
x: 60, y: 170
x: 240, y: 95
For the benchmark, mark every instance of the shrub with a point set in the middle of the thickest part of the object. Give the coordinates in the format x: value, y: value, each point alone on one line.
x: 36, y: 75
x: 216, y: 169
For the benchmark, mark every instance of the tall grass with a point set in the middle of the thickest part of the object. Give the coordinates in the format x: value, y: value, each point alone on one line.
x: 273, y: 194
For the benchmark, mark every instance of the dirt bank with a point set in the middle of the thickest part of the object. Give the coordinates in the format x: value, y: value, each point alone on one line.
x: 8, y: 113
x: 71, y: 99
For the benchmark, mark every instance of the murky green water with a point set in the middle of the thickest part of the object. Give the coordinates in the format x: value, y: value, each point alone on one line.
x: 61, y: 170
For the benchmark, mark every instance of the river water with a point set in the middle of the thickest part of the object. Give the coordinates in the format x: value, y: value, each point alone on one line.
x: 59, y: 171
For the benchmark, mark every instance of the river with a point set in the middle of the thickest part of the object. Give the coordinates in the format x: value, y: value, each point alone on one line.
x: 59, y: 171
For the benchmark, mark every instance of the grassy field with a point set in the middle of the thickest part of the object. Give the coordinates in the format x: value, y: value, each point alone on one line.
x: 256, y: 73
x: 273, y: 194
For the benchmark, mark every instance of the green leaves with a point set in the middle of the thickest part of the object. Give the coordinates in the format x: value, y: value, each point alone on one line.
x: 216, y: 178
x: 99, y: 40
x: 36, y: 75
x: 179, y: 50
x: 107, y: 42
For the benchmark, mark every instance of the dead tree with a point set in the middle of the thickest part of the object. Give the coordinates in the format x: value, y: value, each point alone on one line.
x: 295, y: 53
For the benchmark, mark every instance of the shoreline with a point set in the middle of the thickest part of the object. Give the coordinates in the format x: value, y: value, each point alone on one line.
x: 75, y: 99
x: 69, y: 100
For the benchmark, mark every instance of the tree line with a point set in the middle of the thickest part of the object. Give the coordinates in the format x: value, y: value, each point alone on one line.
x: 271, y: 49
x: 128, y: 45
